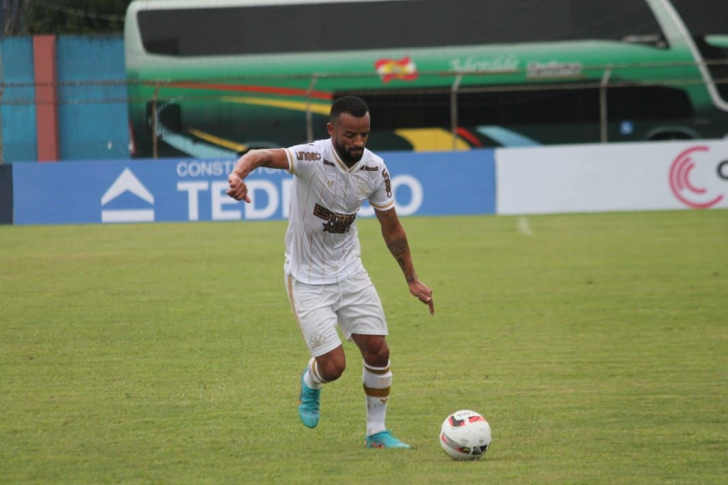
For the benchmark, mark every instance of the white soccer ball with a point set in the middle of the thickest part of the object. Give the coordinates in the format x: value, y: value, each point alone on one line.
x: 465, y: 435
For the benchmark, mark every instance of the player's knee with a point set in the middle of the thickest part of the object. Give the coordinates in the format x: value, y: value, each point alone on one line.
x: 331, y: 369
x: 377, y: 353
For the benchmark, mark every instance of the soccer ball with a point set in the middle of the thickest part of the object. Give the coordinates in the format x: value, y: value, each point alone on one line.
x: 465, y: 435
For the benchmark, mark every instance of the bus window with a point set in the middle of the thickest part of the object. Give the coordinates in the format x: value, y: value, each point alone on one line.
x: 417, y: 110
x: 391, y: 111
x: 357, y: 26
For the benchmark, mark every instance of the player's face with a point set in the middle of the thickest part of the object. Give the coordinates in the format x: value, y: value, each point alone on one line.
x: 349, y: 136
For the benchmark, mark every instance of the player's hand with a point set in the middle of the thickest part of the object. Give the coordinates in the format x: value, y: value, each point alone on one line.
x: 423, y: 293
x: 238, y: 190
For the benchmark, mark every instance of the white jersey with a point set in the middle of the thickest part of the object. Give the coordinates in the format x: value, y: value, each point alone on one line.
x: 322, y: 243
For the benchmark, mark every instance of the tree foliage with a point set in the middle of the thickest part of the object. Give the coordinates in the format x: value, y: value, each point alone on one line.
x: 74, y: 16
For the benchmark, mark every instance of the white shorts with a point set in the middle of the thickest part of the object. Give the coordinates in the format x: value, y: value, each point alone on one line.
x: 353, y: 304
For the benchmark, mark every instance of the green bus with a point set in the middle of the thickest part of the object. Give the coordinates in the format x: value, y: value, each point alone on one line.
x: 216, y: 78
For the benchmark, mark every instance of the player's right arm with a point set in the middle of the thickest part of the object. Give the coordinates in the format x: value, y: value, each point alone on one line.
x: 271, y: 158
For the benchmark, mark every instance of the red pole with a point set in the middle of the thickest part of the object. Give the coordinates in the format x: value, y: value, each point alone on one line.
x: 46, y: 97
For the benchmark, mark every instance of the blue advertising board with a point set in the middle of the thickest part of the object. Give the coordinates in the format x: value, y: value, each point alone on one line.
x: 194, y: 190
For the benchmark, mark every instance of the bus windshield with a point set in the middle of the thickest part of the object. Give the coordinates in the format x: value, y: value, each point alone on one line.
x: 707, y: 22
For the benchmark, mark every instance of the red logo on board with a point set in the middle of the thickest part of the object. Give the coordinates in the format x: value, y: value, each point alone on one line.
x: 683, y: 183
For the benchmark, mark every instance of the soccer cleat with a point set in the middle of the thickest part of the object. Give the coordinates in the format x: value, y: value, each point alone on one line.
x: 384, y: 439
x: 308, y: 404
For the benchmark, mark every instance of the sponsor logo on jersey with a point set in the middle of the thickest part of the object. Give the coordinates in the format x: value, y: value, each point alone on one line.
x: 367, y: 168
x: 330, y: 164
x: 335, y: 223
x: 308, y: 156
x: 387, y: 183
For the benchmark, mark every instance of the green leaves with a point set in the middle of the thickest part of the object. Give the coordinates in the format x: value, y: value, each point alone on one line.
x: 74, y: 16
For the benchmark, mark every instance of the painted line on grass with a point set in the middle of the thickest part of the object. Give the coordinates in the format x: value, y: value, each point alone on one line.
x: 524, y: 227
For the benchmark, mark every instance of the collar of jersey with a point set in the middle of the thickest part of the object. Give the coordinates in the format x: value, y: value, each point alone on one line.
x: 341, y: 163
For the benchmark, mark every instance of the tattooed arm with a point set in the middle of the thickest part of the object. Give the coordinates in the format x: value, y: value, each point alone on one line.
x: 396, y: 240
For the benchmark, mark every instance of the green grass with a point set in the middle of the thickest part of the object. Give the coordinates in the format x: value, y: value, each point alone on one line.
x: 167, y: 353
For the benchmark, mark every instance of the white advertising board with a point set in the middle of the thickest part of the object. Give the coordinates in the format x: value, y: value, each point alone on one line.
x: 614, y: 177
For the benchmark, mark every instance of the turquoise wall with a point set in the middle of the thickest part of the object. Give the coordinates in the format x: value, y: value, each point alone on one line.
x: 17, y: 105
x: 92, y: 114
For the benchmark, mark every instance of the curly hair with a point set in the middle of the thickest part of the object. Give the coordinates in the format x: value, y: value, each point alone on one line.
x: 356, y: 107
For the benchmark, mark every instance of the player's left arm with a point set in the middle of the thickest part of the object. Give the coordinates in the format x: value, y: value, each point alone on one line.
x: 396, y: 240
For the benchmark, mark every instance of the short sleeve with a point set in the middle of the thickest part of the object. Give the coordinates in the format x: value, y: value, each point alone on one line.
x: 303, y: 159
x: 382, y: 198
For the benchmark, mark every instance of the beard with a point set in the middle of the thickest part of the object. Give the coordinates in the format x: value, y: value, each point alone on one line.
x: 350, y: 156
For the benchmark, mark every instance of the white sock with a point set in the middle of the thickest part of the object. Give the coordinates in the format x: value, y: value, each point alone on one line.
x: 377, y: 383
x: 313, y: 378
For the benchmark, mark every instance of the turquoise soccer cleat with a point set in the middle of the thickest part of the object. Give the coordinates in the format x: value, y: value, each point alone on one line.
x: 384, y: 439
x: 308, y: 404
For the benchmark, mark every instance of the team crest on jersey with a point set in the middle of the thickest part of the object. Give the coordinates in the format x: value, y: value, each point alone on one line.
x: 363, y: 189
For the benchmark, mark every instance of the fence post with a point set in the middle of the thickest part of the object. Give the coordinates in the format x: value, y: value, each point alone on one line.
x: 454, y: 110
x: 309, y: 115
x: 155, y: 122
x: 603, y: 115
x: 45, y: 59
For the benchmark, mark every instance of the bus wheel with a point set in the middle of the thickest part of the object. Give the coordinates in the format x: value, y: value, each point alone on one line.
x: 672, y: 134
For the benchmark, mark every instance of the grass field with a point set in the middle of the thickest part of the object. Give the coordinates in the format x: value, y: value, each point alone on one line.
x: 596, y: 346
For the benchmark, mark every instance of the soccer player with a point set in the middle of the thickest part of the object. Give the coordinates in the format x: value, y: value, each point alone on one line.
x: 325, y: 279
